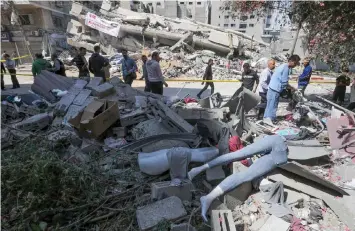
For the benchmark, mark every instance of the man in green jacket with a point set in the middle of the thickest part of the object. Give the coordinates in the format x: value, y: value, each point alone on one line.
x: 39, y: 64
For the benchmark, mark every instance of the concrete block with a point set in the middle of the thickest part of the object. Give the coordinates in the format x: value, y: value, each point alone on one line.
x: 133, y: 117
x: 169, y: 209
x: 81, y: 97
x: 103, y: 90
x: 76, y: 9
x: 72, y: 112
x: 215, y: 174
x: 94, y: 82
x: 222, y: 220
x: 259, y: 223
x: 89, y: 146
x: 161, y: 190
x: 202, y: 113
x: 64, y: 103
x: 35, y: 123
x: 182, y: 227
x: 275, y: 223
x: 119, y: 132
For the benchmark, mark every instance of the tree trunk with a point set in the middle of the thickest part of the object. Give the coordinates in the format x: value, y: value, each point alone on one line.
x: 295, y: 39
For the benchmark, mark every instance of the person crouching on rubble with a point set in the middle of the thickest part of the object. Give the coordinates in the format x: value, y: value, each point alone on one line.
x: 145, y: 73
x: 129, y: 68
x: 207, y: 76
x: 265, y: 78
x: 58, y: 66
x: 11, y: 68
x: 305, y: 77
x: 97, y: 63
x: 155, y: 76
x: 340, y: 88
x: 278, y: 84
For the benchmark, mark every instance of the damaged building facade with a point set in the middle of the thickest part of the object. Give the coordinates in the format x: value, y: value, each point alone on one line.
x: 44, y: 24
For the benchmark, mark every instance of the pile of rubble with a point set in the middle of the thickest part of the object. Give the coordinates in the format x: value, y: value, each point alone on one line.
x: 185, y: 45
x: 124, y: 142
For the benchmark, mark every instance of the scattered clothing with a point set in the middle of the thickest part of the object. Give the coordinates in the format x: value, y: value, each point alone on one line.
x: 82, y: 65
x: 96, y: 64
x: 129, y: 68
x: 39, y: 65
x: 249, y: 79
x: 189, y: 100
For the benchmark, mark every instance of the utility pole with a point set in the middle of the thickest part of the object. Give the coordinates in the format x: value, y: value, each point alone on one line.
x: 27, y: 42
x: 296, y: 37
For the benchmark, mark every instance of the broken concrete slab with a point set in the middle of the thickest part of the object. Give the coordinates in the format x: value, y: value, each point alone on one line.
x: 79, y: 84
x: 275, y: 223
x: 133, y: 117
x: 81, y: 97
x: 64, y: 103
x: 153, y: 127
x: 169, y: 209
x: 222, y: 220
x: 94, y: 82
x: 225, y: 39
x: 306, y: 149
x: 182, y: 227
x: 119, y: 132
x: 202, y: 113
x: 256, y: 226
x: 172, y: 121
x: 215, y: 174
x: 338, y: 205
x: 161, y: 190
x: 89, y: 146
x: 300, y: 170
x: 72, y: 112
x: 103, y: 90
x: 35, y: 123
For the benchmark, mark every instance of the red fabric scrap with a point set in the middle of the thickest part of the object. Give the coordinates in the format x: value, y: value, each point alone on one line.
x: 296, y: 225
x: 236, y: 144
x: 189, y: 100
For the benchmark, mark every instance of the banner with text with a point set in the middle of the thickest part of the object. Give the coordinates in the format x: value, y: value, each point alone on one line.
x: 105, y: 26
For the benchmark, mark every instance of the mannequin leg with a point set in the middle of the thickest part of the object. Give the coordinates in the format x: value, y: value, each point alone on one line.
x: 265, y: 145
x: 261, y: 167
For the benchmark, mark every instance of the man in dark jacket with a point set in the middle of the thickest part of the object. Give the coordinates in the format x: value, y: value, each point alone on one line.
x: 207, y: 76
x: 97, y: 63
x: 340, y: 89
x: 81, y: 63
x: 250, y: 79
x: 58, y: 66
x: 129, y: 68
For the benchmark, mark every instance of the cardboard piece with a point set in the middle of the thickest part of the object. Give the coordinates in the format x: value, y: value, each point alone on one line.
x: 96, y: 118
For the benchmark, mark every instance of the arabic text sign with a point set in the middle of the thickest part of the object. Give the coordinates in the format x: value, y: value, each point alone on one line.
x: 105, y: 26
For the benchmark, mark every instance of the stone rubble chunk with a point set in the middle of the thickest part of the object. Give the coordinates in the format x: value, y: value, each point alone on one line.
x: 182, y: 227
x: 94, y: 82
x: 275, y: 223
x: 161, y: 190
x: 103, y: 90
x: 81, y: 97
x: 36, y: 122
x: 169, y: 209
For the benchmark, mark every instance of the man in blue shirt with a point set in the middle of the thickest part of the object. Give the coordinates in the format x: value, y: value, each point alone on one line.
x: 129, y: 68
x: 303, y: 79
x: 278, y: 83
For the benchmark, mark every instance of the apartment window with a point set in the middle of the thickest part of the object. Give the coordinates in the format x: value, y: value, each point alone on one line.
x: 57, y: 21
x: 285, y: 49
x: 227, y: 8
x: 225, y: 25
x: 190, y: 3
x: 26, y: 19
x: 182, y: 3
x: 269, y: 16
x: 232, y: 25
x: 158, y: 4
x: 150, y: 4
x: 251, y: 25
x: 268, y: 25
x: 219, y: 16
x: 59, y: 4
x: 226, y: 16
x: 244, y: 18
x: 199, y: 3
x: 252, y: 16
x: 266, y: 32
x: 219, y: 24
x: 243, y: 31
x: 136, y: 2
x: 242, y: 26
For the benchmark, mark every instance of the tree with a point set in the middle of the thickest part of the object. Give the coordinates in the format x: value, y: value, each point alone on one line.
x: 329, y: 25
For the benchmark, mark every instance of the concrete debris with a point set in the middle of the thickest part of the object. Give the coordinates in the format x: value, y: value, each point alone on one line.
x: 275, y: 223
x: 182, y: 227
x: 103, y: 90
x: 161, y: 190
x: 35, y: 123
x: 222, y: 220
x: 81, y: 97
x: 94, y: 82
x: 170, y: 209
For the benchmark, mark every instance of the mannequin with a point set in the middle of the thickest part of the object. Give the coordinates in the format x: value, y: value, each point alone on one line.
x: 274, y: 150
x: 155, y: 163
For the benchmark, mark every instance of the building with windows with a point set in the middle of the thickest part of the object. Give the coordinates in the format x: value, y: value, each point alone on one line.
x: 43, y: 22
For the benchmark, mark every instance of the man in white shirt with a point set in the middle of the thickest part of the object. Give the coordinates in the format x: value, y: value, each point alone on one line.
x: 264, y: 80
